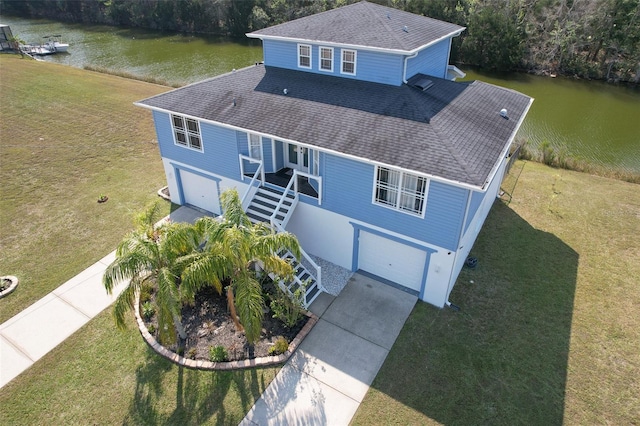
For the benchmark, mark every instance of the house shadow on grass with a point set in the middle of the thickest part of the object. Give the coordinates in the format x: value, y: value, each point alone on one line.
x: 168, y: 394
x: 502, y: 359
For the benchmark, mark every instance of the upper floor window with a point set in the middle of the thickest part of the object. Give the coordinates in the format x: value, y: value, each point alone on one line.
x: 186, y: 132
x: 304, y: 56
x: 326, y: 58
x: 348, y: 62
x: 255, y: 147
x: 401, y: 191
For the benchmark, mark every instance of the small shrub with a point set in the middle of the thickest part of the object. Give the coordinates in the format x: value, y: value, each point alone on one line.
x: 280, y: 346
x: 148, y: 311
x: 288, y: 308
x: 191, y: 353
x: 218, y: 354
x: 548, y: 153
x: 145, y: 293
x: 180, y: 350
x: 151, y: 329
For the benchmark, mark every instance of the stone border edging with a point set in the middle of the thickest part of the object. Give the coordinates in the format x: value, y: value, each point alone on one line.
x: 162, y: 194
x: 229, y: 365
x: 12, y: 286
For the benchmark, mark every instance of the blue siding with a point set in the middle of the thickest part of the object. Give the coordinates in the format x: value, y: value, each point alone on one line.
x: 431, y: 61
x: 476, y: 200
x: 220, y: 145
x: 242, y: 139
x: 348, y: 190
x: 279, y: 155
x: 243, y: 143
x: 267, y: 155
x: 370, y: 66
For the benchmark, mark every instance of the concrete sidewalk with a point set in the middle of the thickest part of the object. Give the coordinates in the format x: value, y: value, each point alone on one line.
x: 325, y: 381
x: 34, y: 332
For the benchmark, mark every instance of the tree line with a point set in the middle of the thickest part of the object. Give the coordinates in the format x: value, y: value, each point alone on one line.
x: 596, y: 39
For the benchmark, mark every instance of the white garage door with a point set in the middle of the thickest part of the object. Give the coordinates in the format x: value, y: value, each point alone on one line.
x: 391, y: 260
x: 200, y: 192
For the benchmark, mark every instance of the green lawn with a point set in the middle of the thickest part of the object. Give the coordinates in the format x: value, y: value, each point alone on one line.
x: 549, y: 331
x: 66, y: 137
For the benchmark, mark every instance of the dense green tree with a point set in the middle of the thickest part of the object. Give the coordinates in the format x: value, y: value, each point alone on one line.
x: 231, y: 250
x: 152, y: 256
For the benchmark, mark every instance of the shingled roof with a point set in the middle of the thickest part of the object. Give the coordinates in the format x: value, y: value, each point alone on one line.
x: 365, y: 25
x: 452, y: 130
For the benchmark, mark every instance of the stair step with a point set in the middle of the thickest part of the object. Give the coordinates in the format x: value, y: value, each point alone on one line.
x: 258, y: 211
x: 255, y: 218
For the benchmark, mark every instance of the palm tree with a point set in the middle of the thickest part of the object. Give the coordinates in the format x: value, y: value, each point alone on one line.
x: 152, y: 255
x: 231, y: 250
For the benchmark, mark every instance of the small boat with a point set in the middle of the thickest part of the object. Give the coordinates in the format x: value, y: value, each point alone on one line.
x: 33, y: 49
x: 55, y: 45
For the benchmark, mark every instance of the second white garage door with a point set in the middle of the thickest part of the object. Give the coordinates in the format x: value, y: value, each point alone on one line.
x: 391, y: 260
x: 200, y: 191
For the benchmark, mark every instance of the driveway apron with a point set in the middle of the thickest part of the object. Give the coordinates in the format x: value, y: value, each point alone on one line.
x: 325, y: 381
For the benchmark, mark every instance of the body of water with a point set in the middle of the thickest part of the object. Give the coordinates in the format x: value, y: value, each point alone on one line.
x: 593, y: 121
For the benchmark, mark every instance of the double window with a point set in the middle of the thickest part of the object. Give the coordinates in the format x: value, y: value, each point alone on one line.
x: 186, y: 132
x: 348, y: 65
x: 326, y: 59
x: 304, y: 56
x: 400, y: 191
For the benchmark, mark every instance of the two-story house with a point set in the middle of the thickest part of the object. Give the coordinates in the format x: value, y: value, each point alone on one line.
x: 353, y: 136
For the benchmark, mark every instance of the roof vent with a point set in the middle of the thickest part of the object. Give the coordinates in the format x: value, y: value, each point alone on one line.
x: 503, y: 113
x: 388, y: 16
x: 405, y: 29
x: 285, y: 91
x: 423, y: 84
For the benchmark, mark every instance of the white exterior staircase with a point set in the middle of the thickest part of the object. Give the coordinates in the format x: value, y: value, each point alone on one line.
x: 276, y: 206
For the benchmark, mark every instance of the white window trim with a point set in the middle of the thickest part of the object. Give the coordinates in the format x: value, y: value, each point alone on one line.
x: 320, y: 59
x: 342, y: 61
x: 310, y: 55
x: 249, y: 144
x: 188, y: 133
x: 397, y: 207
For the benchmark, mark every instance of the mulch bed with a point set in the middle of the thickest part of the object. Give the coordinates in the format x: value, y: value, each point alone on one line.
x: 208, y: 324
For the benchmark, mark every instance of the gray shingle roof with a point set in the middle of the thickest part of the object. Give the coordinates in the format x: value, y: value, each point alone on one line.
x: 364, y: 24
x: 452, y: 130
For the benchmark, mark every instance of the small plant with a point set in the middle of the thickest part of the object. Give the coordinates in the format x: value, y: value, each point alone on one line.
x: 280, y: 346
x: 191, y: 353
x: 145, y: 293
x: 148, y: 311
x: 151, y: 329
x: 102, y: 198
x: 287, y: 307
x: 180, y: 350
x: 218, y: 354
x: 548, y: 153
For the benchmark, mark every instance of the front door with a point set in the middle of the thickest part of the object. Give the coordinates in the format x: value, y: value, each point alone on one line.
x: 298, y: 158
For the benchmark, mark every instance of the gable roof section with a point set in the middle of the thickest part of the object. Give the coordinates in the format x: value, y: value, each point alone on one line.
x: 452, y: 130
x: 364, y: 24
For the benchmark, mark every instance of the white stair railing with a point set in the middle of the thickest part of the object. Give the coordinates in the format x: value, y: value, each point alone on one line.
x: 254, y: 185
x: 318, y: 269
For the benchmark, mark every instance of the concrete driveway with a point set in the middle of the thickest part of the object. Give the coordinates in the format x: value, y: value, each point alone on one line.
x: 330, y: 373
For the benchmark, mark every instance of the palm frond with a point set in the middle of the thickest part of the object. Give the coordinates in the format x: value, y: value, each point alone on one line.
x: 250, y: 306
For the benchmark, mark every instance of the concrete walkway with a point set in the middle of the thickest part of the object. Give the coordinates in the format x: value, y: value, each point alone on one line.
x: 34, y: 332
x: 330, y: 373
x: 323, y: 383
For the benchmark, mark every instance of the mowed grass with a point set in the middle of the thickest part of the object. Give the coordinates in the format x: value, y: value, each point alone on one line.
x: 549, y: 327
x: 68, y: 136
x: 104, y: 376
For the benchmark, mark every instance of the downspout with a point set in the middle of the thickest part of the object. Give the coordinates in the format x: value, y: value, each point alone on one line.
x: 404, y: 71
x: 455, y: 258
